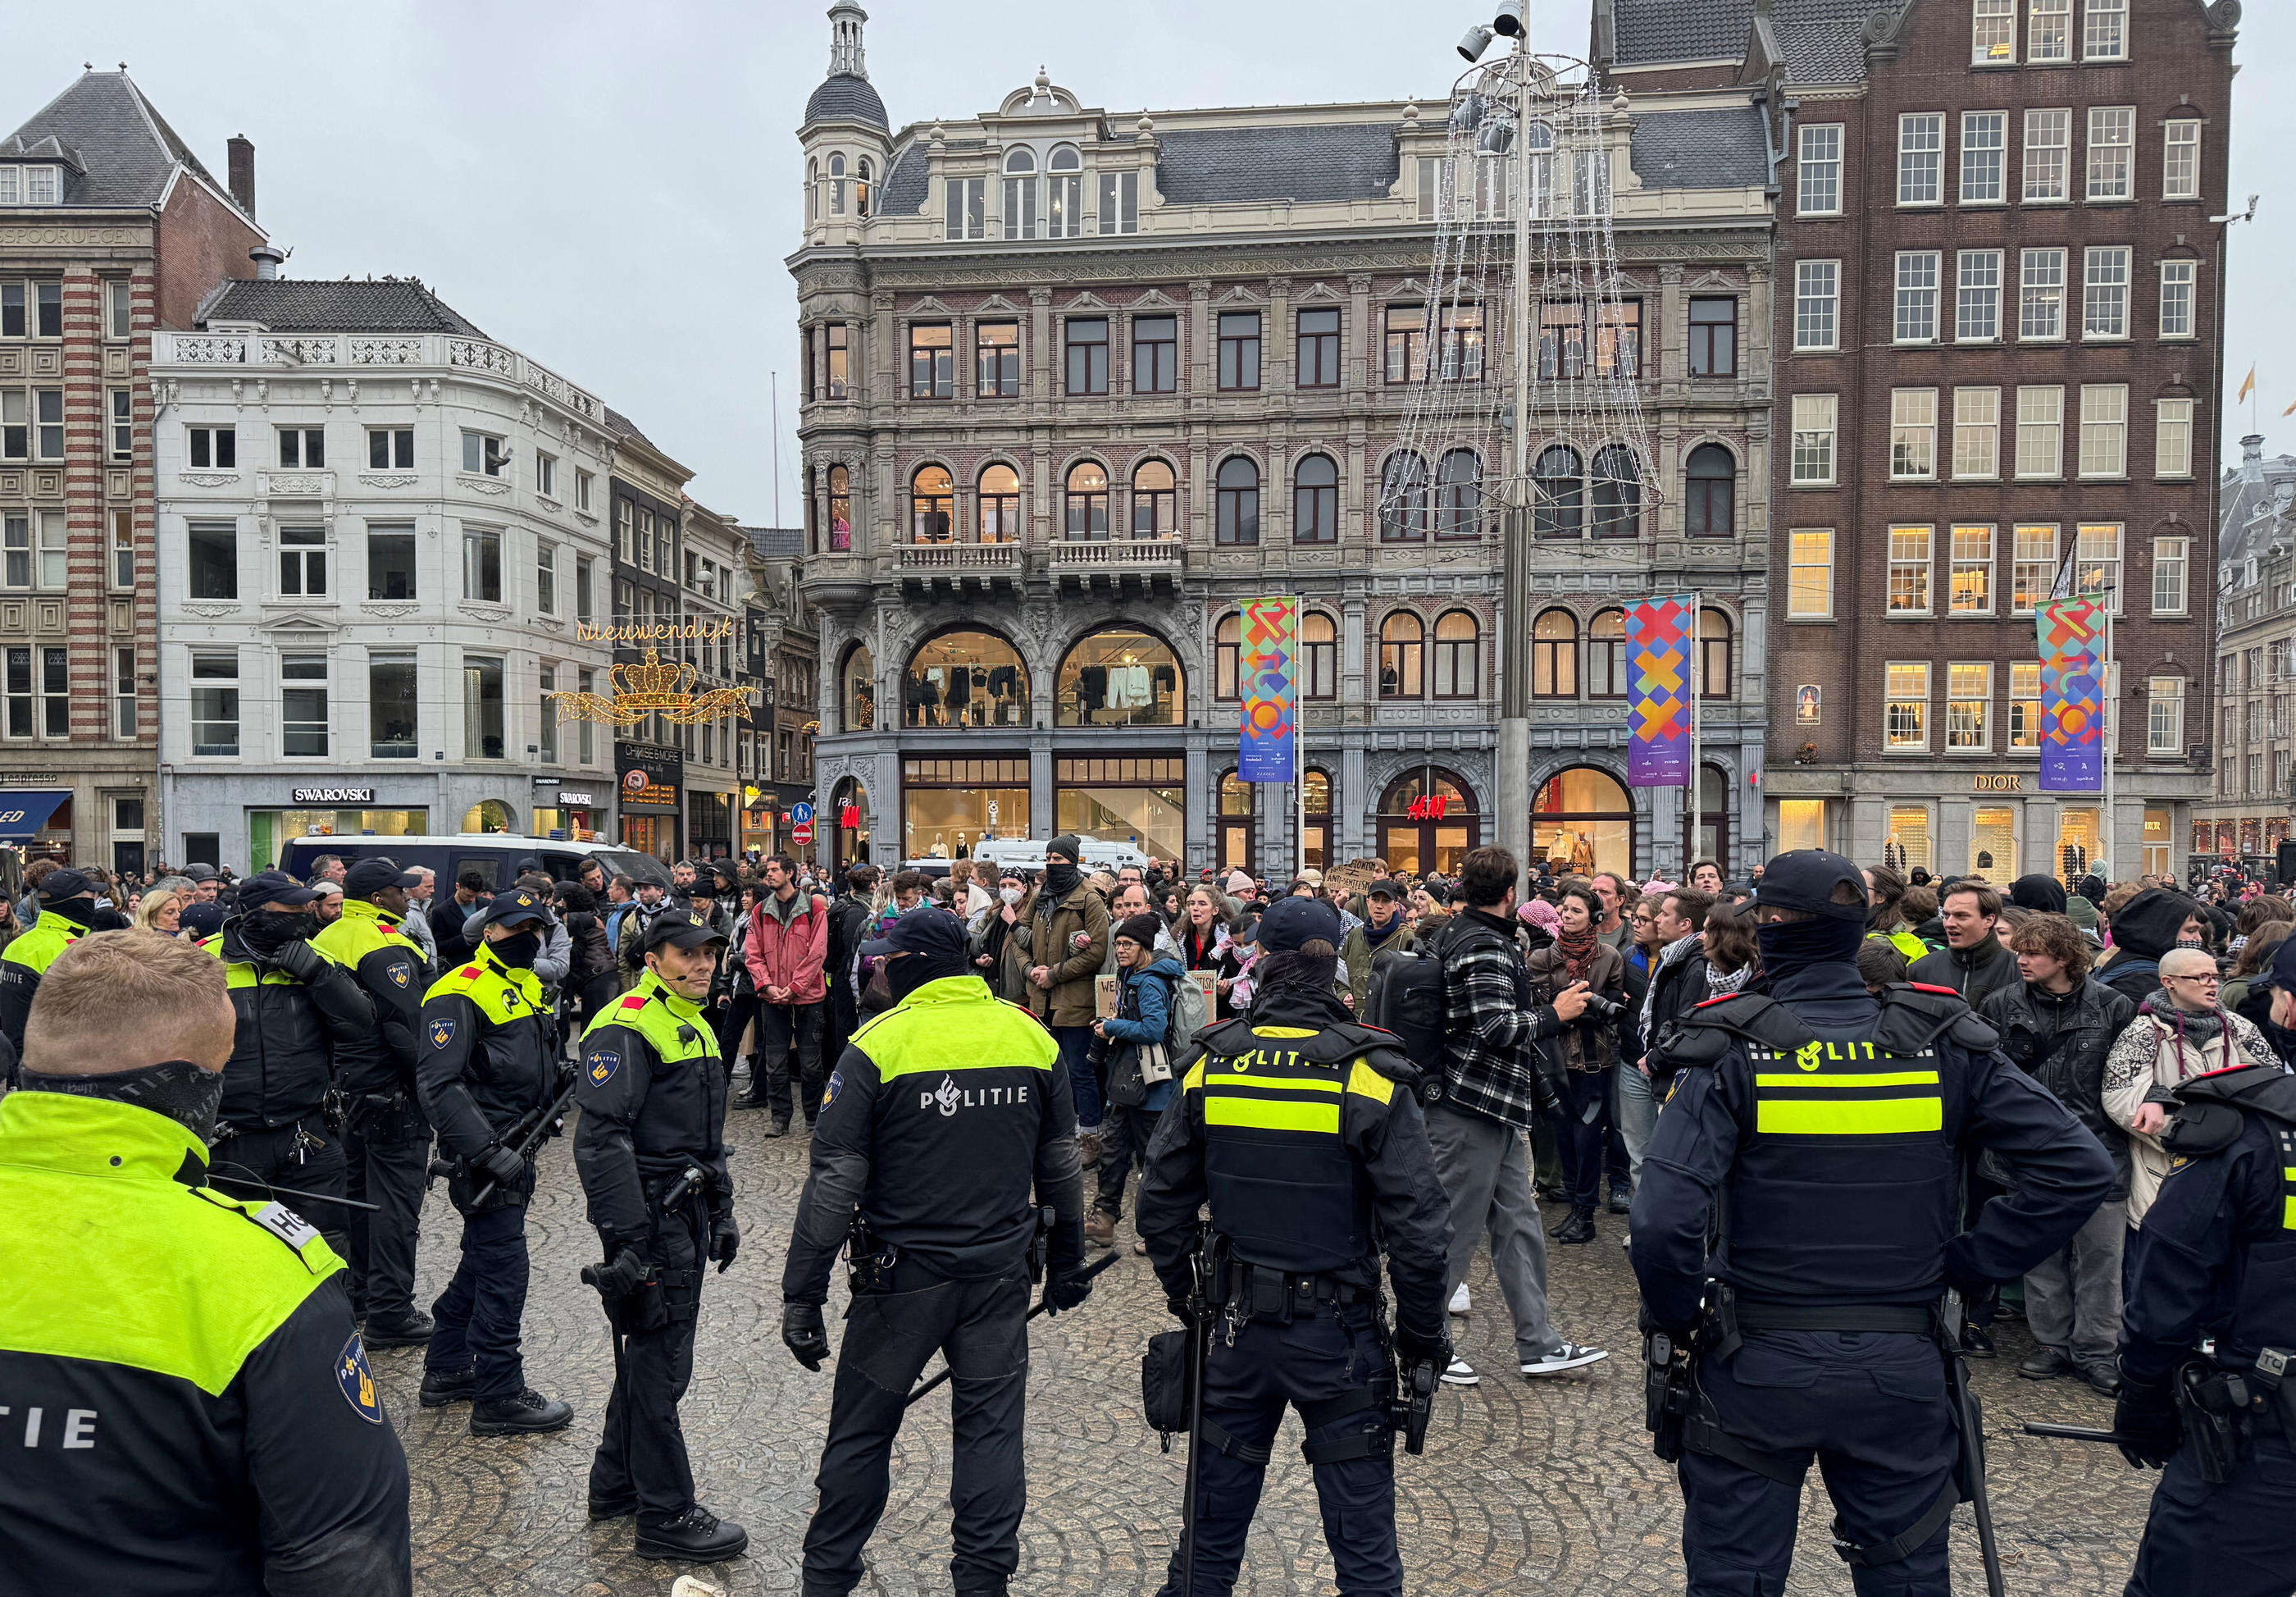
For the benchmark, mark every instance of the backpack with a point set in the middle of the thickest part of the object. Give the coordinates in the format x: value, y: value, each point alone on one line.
x: 1189, y: 1015
x: 1406, y: 998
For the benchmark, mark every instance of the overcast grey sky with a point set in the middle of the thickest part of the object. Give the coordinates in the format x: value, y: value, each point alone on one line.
x: 611, y: 188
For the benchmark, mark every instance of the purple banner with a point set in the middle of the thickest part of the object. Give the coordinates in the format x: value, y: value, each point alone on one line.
x: 2071, y: 634
x: 1658, y: 718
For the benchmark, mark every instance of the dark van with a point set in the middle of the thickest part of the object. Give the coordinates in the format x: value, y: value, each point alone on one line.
x: 495, y: 854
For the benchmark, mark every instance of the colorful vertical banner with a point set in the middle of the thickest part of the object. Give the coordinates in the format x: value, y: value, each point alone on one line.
x: 1658, y: 717
x: 1268, y: 662
x: 2073, y: 693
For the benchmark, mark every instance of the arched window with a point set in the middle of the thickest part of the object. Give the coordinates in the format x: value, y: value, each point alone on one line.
x: 1227, y: 660
x: 1427, y: 821
x: 1402, y: 647
x: 965, y: 677
x: 841, y: 508
x: 1606, y: 656
x: 1558, y: 497
x: 1458, y: 649
x: 1000, y: 505
x: 1064, y: 193
x: 1555, y: 655
x: 1714, y: 663
x: 1086, y: 498
x: 860, y: 695
x: 932, y: 505
x: 848, y: 815
x: 1239, y: 822
x: 1538, y: 169
x: 1319, y: 656
x: 1315, y: 501
x: 1618, y: 493
x: 1021, y: 192
x: 1459, y: 495
x: 1121, y: 677
x: 1155, y: 503
x: 837, y: 184
x: 1582, y: 822
x: 1709, y: 502
x: 1238, y: 486
x: 813, y: 191
x: 861, y: 177
x: 1403, y: 499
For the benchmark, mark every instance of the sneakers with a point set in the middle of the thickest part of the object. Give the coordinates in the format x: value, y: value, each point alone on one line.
x: 440, y: 1387
x: 1578, y: 1228
x: 410, y: 1330
x: 1626, y: 1239
x: 2046, y: 1364
x: 1571, y: 1355
x: 1461, y: 1374
x: 1459, y: 1303
x: 1100, y: 1229
x: 527, y: 1413
x: 696, y: 1536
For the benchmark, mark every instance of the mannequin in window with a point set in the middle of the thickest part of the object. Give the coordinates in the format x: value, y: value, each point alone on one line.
x: 1091, y: 689
x: 960, y: 694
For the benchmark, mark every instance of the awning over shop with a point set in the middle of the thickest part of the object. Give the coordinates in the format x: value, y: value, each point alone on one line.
x: 22, y: 813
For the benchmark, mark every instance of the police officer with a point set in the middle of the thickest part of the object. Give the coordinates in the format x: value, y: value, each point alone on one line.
x: 305, y: 1029
x: 652, y: 1092
x: 189, y: 1410
x: 2218, y: 1255
x: 1829, y: 1128
x: 67, y: 907
x: 488, y: 1077
x: 386, y: 1140
x: 941, y: 1114
x: 1300, y: 1130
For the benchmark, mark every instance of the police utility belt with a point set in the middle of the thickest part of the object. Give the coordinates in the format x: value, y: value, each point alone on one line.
x: 2223, y: 1412
x: 1255, y: 1292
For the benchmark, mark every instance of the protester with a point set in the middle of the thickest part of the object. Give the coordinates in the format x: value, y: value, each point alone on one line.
x: 1140, y: 1077
x: 1973, y: 962
x: 1679, y: 982
x: 1586, y: 1048
x: 2145, y: 925
x: 1381, y: 934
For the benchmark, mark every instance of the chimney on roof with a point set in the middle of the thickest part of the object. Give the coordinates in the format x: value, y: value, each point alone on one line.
x: 267, y: 258
x: 2252, y: 457
x: 241, y: 166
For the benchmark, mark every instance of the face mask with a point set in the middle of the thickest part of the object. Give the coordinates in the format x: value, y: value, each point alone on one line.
x: 267, y: 931
x: 179, y: 1089
x: 1791, y: 946
x: 1061, y: 878
x: 518, y: 949
x: 1011, y: 895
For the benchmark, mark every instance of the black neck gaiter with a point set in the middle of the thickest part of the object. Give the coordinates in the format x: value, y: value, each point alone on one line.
x: 184, y: 1092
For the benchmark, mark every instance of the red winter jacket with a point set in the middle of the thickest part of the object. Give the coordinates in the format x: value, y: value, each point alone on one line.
x: 789, y: 957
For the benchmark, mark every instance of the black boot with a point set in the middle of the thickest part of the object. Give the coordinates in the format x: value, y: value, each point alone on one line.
x: 527, y: 1413
x: 408, y: 1330
x: 1578, y: 1228
x: 696, y: 1536
x: 440, y: 1388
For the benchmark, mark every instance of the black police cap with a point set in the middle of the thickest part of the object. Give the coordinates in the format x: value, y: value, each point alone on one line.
x: 927, y: 929
x: 677, y: 928
x: 1290, y: 922
x: 512, y: 909
x: 1809, y: 879
x: 370, y: 876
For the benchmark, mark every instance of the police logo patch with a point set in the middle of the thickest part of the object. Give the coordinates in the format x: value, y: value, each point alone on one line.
x: 829, y: 1092
x: 602, y: 1064
x: 400, y: 973
x: 442, y: 1032
x: 1809, y: 1056
x: 356, y: 1377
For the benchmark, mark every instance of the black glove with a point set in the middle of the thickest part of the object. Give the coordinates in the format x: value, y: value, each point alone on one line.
x: 622, y: 1275
x: 1177, y: 1307
x: 1413, y: 1349
x: 2146, y: 1416
x: 802, y: 1334
x: 300, y: 959
x: 1065, y: 1287
x: 1064, y: 1248
x: 725, y: 1241
x: 502, y: 1163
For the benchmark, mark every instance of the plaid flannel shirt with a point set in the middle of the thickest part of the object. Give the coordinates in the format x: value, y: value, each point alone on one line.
x: 1489, y: 1024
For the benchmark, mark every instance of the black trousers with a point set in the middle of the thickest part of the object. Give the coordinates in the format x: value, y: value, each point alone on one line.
x: 731, y: 1022
x: 641, y: 1456
x: 2226, y: 1541
x: 1871, y: 1408
x: 981, y: 1327
x: 304, y: 1155
x: 1579, y: 1140
x: 479, y: 1314
x: 387, y: 1157
x: 782, y: 1028
x: 1314, y: 1365
x: 1124, y: 1135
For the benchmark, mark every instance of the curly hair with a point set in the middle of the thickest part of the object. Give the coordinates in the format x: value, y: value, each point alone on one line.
x: 2058, y: 938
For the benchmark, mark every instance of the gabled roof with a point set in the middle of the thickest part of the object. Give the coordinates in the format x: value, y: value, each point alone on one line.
x: 295, y: 305
x: 848, y: 97
x: 1702, y: 149
x: 1212, y: 165
x: 1822, y: 41
x: 124, y: 150
x: 777, y: 543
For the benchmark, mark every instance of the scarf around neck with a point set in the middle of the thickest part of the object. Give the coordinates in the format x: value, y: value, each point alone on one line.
x: 1575, y: 950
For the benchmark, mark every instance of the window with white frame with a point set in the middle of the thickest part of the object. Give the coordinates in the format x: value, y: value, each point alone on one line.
x: 1064, y: 193
x: 118, y: 308
x: 2105, y: 430
x: 215, y: 703
x: 205, y: 448
x: 16, y: 550
x: 1816, y: 421
x: 1910, y: 564
x: 1912, y: 433
x: 484, y: 454
x: 1976, y: 432
x: 585, y: 485
x: 2096, y: 564
x: 482, y: 564
x: 584, y: 570
x: 2040, y: 431
x: 31, y: 186
x: 391, y: 448
x: 303, y: 720
x: 586, y: 743
x: 34, y: 310
x: 123, y: 549
x: 38, y: 692
x: 2176, y: 316
x: 1119, y: 202
x: 2172, y: 561
x: 2164, y: 717
x: 546, y: 474
x: 123, y: 691
x: 1968, y: 707
x: 1984, y: 156
x: 1817, y: 304
x: 2024, y: 707
x: 546, y: 577
x: 302, y: 563
x: 31, y: 423
x: 1906, y: 706
x: 1916, y: 320
x: 1921, y: 157
x: 2104, y: 291
x: 303, y: 447
x: 120, y: 431
x: 2105, y: 32
x: 2048, y: 30
x: 1810, y: 576
x: 213, y: 550
x: 549, y: 715
x: 1969, y: 573
x: 1993, y: 34
x: 1817, y: 170
x: 968, y: 208
x: 2112, y: 152
x: 55, y: 693
x: 1977, y: 296
x: 1021, y: 192
x: 2180, y: 159
x: 2033, y: 569
x: 2048, y: 156
x: 2172, y: 438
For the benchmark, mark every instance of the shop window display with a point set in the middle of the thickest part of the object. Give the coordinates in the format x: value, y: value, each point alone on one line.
x: 965, y: 678
x: 1120, y: 678
x: 1582, y: 822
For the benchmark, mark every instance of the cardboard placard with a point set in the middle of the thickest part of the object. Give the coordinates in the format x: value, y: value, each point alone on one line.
x: 1105, y: 992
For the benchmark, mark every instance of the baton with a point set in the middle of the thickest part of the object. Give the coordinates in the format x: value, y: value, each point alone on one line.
x: 527, y: 1144
x: 1042, y: 1308
x: 224, y: 1184
x: 2077, y: 1433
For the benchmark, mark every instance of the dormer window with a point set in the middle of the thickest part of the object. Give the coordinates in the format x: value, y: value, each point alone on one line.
x: 31, y: 186
x: 837, y: 186
x: 861, y: 189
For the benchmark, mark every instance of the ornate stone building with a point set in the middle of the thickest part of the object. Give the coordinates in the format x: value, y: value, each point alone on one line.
x: 1079, y: 384
x: 2255, y: 729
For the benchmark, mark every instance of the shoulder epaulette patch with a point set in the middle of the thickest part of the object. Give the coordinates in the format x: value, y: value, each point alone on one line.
x: 467, y: 971
x: 1932, y: 987
x: 634, y: 1002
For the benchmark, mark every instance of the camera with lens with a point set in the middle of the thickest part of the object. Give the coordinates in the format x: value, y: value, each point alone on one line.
x: 1604, y: 1008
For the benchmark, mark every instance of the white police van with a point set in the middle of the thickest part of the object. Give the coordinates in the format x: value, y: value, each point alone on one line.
x: 496, y: 854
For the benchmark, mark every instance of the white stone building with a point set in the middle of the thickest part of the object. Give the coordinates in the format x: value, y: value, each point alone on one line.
x: 379, y: 534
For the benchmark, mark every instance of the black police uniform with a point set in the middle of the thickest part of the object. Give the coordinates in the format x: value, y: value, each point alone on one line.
x: 1300, y: 1130
x: 1829, y: 1129
x: 942, y: 1114
x: 2218, y: 1255
x: 486, y: 1073
x: 652, y: 1090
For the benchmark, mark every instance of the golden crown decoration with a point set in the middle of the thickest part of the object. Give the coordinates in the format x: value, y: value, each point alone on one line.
x: 652, y: 688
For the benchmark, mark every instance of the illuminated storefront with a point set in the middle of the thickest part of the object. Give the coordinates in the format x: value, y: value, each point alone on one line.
x: 1582, y: 822
x: 950, y: 806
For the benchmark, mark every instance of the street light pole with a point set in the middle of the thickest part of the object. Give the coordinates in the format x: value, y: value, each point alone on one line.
x: 1515, y: 615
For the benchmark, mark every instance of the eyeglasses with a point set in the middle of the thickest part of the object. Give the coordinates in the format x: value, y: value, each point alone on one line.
x: 2204, y: 981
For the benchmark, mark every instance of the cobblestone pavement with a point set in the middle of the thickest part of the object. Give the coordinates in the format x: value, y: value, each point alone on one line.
x: 1545, y: 1486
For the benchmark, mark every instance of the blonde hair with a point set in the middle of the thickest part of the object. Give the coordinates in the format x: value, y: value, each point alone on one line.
x: 120, y: 1000
x: 147, y: 913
